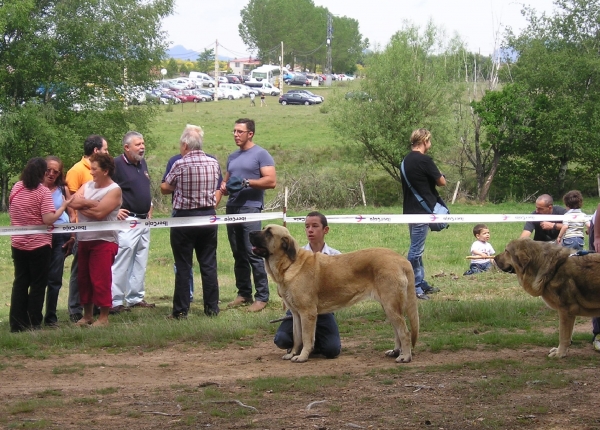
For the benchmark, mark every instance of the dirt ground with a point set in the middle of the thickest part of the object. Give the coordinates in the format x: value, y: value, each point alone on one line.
x: 185, y: 386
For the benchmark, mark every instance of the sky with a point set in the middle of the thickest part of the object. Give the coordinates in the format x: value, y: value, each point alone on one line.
x: 198, y: 24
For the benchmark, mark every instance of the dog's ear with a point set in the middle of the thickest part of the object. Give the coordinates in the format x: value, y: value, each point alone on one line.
x: 289, y: 247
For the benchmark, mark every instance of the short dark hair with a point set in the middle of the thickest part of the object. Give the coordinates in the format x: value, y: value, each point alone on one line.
x: 322, y: 217
x: 250, y: 125
x: 478, y: 228
x: 105, y: 162
x: 573, y: 199
x: 92, y: 142
x: 33, y: 173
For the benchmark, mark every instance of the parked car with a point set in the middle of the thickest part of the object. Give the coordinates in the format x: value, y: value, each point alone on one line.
x: 318, y: 98
x: 203, y: 79
x: 296, y: 99
x: 358, y: 95
x: 204, y: 95
x: 343, y: 77
x: 243, y: 88
x: 223, y: 80
x: 299, y: 80
x: 264, y: 87
x: 232, y: 79
x: 170, y: 96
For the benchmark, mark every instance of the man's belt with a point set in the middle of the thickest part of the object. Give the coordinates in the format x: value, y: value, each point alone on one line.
x: 135, y: 215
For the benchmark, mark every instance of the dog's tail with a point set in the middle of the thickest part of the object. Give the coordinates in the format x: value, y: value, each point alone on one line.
x: 412, y: 309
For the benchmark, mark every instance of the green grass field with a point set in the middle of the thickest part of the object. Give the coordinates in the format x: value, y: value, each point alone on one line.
x: 491, y: 304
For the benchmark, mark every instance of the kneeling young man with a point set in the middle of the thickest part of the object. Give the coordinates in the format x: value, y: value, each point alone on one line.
x: 327, y: 335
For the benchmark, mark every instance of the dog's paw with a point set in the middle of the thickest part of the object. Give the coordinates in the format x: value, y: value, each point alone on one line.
x: 287, y: 356
x: 300, y: 358
x: 557, y: 353
x: 404, y: 358
x: 393, y: 353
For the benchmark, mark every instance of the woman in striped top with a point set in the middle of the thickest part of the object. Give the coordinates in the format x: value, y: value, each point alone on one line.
x: 30, y: 203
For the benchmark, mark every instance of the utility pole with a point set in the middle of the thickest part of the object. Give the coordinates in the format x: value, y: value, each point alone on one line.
x: 328, y: 66
x: 216, y: 98
x: 281, y: 70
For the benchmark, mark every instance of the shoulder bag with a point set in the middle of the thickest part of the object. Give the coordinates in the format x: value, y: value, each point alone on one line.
x: 440, y: 207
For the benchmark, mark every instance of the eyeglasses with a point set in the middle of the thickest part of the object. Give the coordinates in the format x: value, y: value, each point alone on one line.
x: 239, y: 131
x: 52, y: 171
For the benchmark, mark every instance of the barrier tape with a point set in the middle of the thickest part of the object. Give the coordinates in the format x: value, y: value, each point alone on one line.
x: 449, y: 218
x: 264, y: 216
x: 141, y: 223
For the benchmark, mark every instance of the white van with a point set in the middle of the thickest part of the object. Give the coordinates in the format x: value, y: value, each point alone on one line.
x: 264, y: 87
x: 235, y: 88
x: 202, y: 79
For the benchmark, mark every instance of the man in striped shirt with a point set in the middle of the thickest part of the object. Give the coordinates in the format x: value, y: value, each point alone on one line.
x: 193, y: 181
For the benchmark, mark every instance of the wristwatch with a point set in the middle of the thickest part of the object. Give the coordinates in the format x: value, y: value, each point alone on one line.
x: 246, y: 183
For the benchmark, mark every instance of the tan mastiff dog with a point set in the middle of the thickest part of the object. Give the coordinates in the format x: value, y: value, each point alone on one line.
x: 566, y: 282
x: 313, y: 283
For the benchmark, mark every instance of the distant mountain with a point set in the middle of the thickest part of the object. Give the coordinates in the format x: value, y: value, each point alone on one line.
x: 180, y: 52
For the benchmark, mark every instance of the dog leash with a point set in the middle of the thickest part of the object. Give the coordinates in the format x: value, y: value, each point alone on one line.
x: 581, y: 253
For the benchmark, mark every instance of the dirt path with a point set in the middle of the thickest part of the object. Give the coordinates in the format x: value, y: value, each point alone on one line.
x: 197, y: 387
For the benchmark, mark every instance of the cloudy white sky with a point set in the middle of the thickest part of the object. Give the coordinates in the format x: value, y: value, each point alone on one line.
x: 197, y: 24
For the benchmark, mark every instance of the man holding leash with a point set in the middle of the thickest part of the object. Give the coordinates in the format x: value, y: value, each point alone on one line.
x: 327, y: 335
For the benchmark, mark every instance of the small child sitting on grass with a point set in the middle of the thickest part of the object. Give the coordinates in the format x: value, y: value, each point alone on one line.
x: 481, y: 248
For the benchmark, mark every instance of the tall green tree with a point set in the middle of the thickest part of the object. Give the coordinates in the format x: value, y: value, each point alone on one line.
x: 558, y: 67
x: 302, y: 27
x: 57, y: 59
x: 405, y: 88
x: 347, y: 45
x: 206, y: 60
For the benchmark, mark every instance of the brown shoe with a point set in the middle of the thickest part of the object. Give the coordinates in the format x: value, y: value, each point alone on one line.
x: 257, y: 306
x: 143, y: 304
x: 239, y: 301
x: 115, y: 310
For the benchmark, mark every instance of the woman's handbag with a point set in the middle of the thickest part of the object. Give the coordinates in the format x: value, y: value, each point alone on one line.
x: 440, y: 207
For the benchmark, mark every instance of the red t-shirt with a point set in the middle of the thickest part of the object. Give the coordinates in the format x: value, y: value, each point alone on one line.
x: 26, y: 208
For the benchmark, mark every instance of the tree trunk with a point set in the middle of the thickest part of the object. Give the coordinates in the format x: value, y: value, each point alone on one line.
x: 490, y: 177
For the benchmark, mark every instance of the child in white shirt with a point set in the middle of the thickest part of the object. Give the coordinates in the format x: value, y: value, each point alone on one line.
x: 572, y: 232
x: 481, y: 248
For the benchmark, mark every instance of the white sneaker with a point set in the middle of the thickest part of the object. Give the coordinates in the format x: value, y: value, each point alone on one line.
x: 596, y: 343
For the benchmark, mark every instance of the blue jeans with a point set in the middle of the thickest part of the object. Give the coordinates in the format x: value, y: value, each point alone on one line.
x: 575, y: 243
x: 246, y: 263
x: 55, y: 275
x: 418, y: 234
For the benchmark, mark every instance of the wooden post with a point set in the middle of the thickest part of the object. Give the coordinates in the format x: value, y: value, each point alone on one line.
x: 285, y: 202
x: 455, y: 192
x: 362, y: 191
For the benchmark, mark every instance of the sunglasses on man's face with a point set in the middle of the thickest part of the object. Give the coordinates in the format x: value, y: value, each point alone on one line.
x: 52, y: 172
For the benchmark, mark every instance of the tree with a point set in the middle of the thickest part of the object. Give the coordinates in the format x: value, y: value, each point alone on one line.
x: 302, y: 27
x: 172, y: 68
x: 558, y: 67
x: 347, y: 45
x: 57, y: 58
x: 206, y: 60
x: 405, y: 88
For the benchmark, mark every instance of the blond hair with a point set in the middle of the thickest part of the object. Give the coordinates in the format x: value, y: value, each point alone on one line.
x: 419, y: 136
